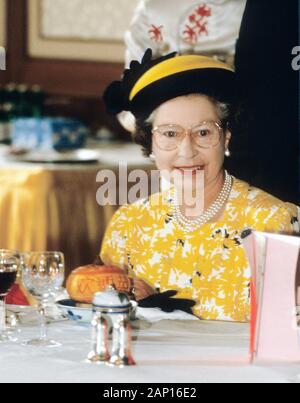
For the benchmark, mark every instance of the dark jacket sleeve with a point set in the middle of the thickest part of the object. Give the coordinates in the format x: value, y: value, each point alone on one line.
x: 269, y: 88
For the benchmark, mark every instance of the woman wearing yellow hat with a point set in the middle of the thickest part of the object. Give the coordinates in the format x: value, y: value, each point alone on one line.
x: 184, y: 108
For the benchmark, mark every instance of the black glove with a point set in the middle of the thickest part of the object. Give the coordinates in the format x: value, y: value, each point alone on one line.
x: 166, y: 303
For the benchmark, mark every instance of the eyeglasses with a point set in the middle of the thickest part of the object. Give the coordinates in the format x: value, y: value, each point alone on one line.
x: 205, y: 134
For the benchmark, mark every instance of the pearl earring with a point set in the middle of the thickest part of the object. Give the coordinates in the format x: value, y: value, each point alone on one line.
x: 227, y: 153
x: 152, y: 157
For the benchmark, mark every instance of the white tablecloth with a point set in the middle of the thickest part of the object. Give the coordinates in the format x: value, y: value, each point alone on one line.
x: 110, y: 155
x: 167, y: 351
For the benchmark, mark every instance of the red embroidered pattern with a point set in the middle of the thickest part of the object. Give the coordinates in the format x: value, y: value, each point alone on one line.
x: 156, y: 33
x: 197, y: 25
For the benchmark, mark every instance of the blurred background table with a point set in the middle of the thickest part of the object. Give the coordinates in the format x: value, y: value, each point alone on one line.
x: 53, y: 206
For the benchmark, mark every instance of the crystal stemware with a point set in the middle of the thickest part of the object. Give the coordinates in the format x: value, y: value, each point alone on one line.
x: 9, y: 265
x: 43, y: 276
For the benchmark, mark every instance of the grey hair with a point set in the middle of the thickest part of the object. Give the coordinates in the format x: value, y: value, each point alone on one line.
x: 150, y: 119
x: 224, y: 111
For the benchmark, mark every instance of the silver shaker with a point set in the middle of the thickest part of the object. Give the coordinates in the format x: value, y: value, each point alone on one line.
x: 100, y: 348
x: 121, y: 349
x: 112, y: 308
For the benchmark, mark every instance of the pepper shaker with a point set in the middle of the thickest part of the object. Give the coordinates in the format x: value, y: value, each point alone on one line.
x: 100, y: 348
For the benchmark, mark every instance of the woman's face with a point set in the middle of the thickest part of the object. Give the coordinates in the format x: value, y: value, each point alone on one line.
x: 189, y: 111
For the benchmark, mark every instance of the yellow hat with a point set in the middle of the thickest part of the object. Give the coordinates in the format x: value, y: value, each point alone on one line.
x: 176, y: 65
x: 148, y: 84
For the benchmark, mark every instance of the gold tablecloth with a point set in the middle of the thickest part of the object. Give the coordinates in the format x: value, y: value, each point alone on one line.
x: 53, y: 209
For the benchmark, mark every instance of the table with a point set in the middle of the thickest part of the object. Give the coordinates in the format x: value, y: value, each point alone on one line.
x: 54, y: 207
x: 167, y: 351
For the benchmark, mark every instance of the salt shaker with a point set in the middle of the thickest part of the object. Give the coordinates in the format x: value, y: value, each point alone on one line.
x: 121, y: 349
x: 115, y: 307
x: 100, y: 348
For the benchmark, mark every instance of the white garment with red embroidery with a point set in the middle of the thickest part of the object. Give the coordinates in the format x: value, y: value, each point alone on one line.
x: 188, y: 26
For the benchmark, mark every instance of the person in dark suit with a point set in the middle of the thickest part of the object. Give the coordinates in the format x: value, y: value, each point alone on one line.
x: 269, y: 89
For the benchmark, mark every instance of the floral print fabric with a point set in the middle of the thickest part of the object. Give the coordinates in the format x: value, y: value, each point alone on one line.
x: 209, y: 265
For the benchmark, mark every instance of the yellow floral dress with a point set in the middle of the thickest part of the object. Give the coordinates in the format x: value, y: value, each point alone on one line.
x: 208, y: 265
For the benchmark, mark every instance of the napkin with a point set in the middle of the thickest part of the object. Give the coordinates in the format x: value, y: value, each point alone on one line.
x: 156, y: 315
x: 16, y: 296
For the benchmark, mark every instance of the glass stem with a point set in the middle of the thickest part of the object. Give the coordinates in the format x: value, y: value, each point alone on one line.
x: 2, y: 315
x: 43, y: 325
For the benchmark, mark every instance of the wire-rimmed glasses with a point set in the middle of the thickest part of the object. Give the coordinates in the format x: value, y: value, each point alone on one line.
x: 206, y: 134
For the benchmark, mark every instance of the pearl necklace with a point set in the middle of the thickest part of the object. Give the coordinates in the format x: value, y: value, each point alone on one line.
x: 190, y: 225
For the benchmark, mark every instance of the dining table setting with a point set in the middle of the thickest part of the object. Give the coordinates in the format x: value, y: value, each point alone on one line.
x: 59, y: 324
x: 114, y: 339
x: 63, y: 320
x: 149, y: 195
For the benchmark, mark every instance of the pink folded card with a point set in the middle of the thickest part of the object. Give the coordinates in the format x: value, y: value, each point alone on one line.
x: 274, y: 260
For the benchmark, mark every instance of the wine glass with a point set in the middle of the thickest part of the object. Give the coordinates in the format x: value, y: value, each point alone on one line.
x: 9, y: 265
x: 43, y: 276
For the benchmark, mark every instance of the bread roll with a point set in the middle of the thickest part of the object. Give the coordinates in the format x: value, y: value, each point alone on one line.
x: 85, y: 281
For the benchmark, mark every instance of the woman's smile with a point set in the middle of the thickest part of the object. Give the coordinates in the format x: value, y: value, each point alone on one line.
x: 189, y: 169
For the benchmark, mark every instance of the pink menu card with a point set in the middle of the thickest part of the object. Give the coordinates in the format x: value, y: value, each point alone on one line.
x: 273, y: 259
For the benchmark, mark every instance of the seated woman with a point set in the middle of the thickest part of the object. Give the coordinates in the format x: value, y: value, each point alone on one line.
x: 183, y: 107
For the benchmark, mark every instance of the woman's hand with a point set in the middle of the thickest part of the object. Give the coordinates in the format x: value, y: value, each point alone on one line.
x: 142, y: 289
